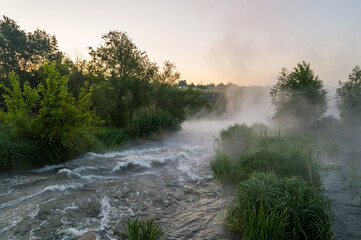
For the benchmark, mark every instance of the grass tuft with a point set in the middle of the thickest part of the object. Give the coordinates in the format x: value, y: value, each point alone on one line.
x: 140, y: 229
x: 270, y: 207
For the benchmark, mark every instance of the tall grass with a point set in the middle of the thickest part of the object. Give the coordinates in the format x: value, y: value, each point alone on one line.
x: 235, y: 139
x: 140, y: 229
x: 148, y: 120
x: 113, y: 137
x: 21, y: 154
x: 283, y: 155
x: 270, y: 207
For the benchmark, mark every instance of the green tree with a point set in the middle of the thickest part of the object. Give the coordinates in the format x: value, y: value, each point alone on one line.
x: 169, y: 75
x: 349, y: 98
x: 299, y: 97
x: 62, y: 120
x: 122, y: 73
x: 49, y: 113
x: 22, y: 52
x: 20, y: 104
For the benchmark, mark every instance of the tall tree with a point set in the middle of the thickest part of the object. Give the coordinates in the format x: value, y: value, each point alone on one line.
x: 23, y: 52
x: 122, y: 71
x: 349, y: 98
x: 59, y: 120
x: 13, y: 45
x: 299, y: 97
x: 169, y: 74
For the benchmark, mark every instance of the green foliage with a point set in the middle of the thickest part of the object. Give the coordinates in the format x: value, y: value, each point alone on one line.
x: 21, y: 153
x: 47, y: 116
x: 123, y: 73
x: 179, y: 102
x: 140, y: 229
x: 147, y: 120
x: 269, y: 207
x: 242, y: 152
x: 23, y: 52
x: 235, y: 139
x: 349, y: 98
x: 223, y: 167
x: 113, y: 137
x: 299, y: 97
x: 261, y: 223
x: 20, y: 104
x: 56, y: 105
x: 124, y: 80
x: 62, y: 120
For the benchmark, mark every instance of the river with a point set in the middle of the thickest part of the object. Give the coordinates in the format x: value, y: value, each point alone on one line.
x: 169, y: 180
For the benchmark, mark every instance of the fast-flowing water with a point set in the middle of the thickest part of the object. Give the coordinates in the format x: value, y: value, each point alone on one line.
x: 342, y: 185
x: 168, y: 180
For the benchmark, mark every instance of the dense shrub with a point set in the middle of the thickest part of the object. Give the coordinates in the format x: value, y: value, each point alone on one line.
x: 16, y: 154
x: 235, y: 139
x: 270, y: 207
x: 147, y: 120
x: 113, y: 137
x: 242, y: 152
x: 46, y: 124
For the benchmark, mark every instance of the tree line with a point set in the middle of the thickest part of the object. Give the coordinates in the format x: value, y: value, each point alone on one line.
x: 300, y: 98
x: 49, y: 101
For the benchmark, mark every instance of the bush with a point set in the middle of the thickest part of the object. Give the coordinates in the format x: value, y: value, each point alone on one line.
x: 147, y: 120
x: 113, y: 137
x: 17, y: 154
x: 143, y: 230
x: 235, y: 139
x: 269, y: 207
x: 284, y: 155
x: 47, y: 124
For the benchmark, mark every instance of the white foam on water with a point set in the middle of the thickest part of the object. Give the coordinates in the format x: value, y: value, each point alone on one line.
x: 105, y: 209
x: 48, y: 168
x: 84, y: 168
x: 33, y: 214
x: 31, y: 235
x: 73, y: 232
x: 104, y: 155
x: 62, y: 187
x: 13, y: 223
x: 71, y: 207
x: 7, y: 193
x: 69, y: 173
x: 97, y: 177
x: 53, y: 188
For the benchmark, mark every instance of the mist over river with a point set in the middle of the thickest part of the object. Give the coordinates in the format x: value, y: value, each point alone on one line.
x: 169, y: 180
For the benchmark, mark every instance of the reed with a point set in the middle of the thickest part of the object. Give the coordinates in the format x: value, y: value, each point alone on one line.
x: 269, y: 207
x: 148, y: 120
x: 143, y: 229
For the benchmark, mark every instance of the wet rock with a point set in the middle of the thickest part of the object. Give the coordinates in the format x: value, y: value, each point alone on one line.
x: 88, y: 236
x: 120, y: 233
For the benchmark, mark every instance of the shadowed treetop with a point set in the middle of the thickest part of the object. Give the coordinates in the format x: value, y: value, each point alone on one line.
x: 299, y: 97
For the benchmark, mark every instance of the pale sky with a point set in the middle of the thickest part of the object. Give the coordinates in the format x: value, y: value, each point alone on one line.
x: 244, y: 42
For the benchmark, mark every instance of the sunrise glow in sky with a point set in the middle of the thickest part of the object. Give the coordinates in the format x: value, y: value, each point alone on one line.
x: 239, y: 41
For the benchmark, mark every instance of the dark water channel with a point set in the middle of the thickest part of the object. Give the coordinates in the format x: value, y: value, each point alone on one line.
x: 168, y: 180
